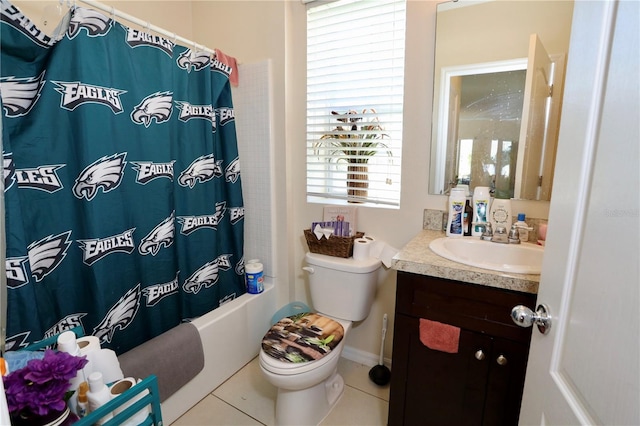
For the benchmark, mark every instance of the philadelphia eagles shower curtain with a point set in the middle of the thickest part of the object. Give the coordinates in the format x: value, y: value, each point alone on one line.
x: 124, y: 210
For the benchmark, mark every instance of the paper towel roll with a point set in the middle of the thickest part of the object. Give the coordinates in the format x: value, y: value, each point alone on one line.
x: 119, y: 388
x: 361, y: 248
x: 106, y: 362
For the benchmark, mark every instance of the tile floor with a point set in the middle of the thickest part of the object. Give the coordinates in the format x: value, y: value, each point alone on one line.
x: 248, y: 399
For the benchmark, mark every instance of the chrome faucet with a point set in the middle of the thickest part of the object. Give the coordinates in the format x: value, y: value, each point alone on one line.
x: 487, y: 231
x: 514, y: 235
x: 500, y: 235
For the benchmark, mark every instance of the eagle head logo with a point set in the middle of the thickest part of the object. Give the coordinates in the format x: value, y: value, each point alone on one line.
x: 193, y: 59
x: 9, y: 170
x: 19, y: 95
x: 95, y: 23
x: 201, y: 170
x: 157, y: 106
x: 161, y: 235
x: 119, y: 316
x: 105, y: 173
x: 232, y: 171
x: 46, y: 254
x: 206, y: 276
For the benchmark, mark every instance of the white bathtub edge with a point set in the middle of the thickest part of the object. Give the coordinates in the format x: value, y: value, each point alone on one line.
x: 222, y: 360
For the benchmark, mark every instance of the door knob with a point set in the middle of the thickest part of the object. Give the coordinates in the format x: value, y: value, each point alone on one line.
x: 479, y: 355
x: 525, y: 317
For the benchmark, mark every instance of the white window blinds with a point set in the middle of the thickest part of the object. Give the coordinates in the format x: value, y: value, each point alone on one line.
x: 355, y: 83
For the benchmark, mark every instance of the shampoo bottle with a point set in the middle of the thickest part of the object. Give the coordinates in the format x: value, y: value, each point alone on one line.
x: 457, y: 200
x: 481, y: 203
x: 98, y: 395
x: 500, y: 214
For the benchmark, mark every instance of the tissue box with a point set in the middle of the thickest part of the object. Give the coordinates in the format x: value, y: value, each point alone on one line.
x: 332, y: 246
x: 342, y: 214
x: 341, y: 229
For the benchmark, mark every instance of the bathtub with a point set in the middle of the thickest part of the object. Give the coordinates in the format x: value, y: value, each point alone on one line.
x: 225, y: 349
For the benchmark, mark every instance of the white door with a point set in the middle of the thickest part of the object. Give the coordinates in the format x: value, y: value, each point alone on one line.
x: 586, y: 370
x: 533, y: 128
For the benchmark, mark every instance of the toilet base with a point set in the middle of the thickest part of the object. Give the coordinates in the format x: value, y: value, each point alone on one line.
x: 308, y: 407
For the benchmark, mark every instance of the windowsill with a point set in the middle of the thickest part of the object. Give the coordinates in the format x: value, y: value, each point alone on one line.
x: 336, y: 202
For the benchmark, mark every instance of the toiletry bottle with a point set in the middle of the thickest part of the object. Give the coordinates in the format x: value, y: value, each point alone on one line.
x: 457, y: 200
x: 500, y: 214
x: 254, y: 274
x: 523, y: 228
x: 66, y: 342
x: 98, y: 395
x: 468, y: 217
x: 83, y: 401
x: 481, y: 199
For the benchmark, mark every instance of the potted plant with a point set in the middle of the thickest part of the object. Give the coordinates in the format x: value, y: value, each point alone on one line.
x: 354, y: 145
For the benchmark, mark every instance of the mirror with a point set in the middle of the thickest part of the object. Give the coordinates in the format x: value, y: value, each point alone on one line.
x: 498, y: 80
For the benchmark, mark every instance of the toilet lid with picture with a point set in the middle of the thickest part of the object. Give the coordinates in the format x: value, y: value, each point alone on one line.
x: 298, y: 341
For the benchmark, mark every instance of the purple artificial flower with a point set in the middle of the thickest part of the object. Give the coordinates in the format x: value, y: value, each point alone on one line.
x: 40, y: 387
x: 54, y: 366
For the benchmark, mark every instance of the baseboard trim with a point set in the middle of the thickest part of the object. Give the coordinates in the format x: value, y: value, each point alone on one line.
x: 362, y: 357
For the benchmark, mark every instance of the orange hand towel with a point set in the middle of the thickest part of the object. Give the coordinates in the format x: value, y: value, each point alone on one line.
x: 438, y: 336
x: 230, y: 62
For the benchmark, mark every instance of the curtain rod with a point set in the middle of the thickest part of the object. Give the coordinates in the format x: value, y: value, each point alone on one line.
x: 145, y: 24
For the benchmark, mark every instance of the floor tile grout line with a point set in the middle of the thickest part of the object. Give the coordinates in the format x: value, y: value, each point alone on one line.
x: 367, y: 393
x: 239, y: 410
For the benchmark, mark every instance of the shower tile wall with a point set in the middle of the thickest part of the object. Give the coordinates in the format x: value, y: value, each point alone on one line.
x: 252, y: 104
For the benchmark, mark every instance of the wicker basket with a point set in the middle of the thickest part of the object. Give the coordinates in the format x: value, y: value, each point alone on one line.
x: 332, y: 246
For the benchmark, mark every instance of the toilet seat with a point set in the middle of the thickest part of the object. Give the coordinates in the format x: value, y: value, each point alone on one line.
x: 283, y: 368
x: 286, y: 349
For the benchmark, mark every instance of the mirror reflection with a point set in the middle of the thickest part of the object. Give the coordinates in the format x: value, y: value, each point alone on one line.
x: 499, y: 73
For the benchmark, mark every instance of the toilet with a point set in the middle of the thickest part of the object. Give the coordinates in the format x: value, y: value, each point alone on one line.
x: 300, y: 353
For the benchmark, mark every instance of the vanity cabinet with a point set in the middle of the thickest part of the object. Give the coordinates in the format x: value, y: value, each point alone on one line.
x: 482, y: 383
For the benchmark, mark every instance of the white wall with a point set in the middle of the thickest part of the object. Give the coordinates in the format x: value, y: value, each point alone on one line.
x: 256, y: 30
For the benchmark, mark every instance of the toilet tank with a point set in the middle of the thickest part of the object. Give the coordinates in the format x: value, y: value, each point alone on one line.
x: 343, y: 288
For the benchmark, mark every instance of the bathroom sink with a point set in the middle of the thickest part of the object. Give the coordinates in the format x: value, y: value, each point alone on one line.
x: 523, y: 258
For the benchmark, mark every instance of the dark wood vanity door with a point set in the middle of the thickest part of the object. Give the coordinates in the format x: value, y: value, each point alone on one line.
x: 505, y: 382
x: 440, y: 388
x: 481, y: 384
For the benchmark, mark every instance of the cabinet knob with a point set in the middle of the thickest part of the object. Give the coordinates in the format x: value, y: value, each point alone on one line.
x: 479, y: 355
x: 502, y: 360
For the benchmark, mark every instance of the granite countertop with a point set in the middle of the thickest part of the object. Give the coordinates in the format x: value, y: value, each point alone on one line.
x: 418, y: 258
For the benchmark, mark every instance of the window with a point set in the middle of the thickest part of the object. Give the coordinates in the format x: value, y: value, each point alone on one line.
x: 355, y: 83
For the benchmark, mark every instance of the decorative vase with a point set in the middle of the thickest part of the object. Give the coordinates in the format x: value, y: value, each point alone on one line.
x: 56, y: 418
x: 357, y: 182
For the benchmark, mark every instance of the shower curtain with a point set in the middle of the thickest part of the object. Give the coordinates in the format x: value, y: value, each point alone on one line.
x: 124, y: 210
